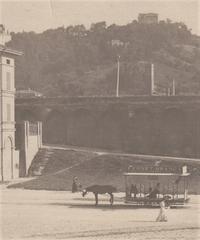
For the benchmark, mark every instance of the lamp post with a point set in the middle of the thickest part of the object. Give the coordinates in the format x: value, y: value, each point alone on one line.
x: 173, y: 88
x: 118, y: 67
x: 152, y: 79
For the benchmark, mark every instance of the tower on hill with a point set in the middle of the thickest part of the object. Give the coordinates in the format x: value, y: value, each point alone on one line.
x: 148, y: 18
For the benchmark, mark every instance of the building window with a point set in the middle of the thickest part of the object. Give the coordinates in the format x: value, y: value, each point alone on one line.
x: 8, y: 112
x: 8, y: 81
x: 8, y: 61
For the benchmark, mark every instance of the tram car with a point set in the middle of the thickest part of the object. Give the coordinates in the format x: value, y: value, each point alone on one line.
x: 148, y: 185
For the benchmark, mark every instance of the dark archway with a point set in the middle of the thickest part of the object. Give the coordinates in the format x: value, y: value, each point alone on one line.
x: 55, y: 128
x: 81, y: 128
x: 193, y: 147
x: 109, y: 130
x: 141, y: 137
x: 174, y: 132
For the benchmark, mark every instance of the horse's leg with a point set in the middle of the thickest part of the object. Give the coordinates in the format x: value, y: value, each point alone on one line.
x: 111, y: 198
x: 96, y: 198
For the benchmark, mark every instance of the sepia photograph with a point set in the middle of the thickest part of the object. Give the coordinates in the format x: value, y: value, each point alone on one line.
x: 100, y: 119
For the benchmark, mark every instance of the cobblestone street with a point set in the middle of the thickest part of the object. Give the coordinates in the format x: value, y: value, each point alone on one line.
x: 28, y: 214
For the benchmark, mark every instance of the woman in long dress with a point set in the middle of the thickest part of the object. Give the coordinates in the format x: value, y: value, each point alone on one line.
x: 162, y: 217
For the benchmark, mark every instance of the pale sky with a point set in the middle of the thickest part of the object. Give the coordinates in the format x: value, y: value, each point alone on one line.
x: 29, y: 15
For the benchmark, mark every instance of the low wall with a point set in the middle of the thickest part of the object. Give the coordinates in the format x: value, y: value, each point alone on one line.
x: 32, y: 149
x: 28, y: 142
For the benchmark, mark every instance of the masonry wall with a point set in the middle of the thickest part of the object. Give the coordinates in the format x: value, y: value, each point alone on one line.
x: 171, y: 132
x: 168, y: 126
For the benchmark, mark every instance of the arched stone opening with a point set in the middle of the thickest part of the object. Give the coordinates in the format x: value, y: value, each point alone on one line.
x: 109, y: 130
x: 195, y: 140
x: 141, y: 137
x: 54, y: 128
x: 174, y: 132
x: 81, y: 128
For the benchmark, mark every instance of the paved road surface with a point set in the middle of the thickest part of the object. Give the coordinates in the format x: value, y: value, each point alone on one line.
x: 28, y: 214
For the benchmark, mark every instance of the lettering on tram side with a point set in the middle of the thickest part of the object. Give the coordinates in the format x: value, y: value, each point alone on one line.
x: 155, y: 169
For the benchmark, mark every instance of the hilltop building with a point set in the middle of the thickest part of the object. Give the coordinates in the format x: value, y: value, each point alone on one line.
x: 148, y: 18
x: 28, y: 93
x: 9, y: 157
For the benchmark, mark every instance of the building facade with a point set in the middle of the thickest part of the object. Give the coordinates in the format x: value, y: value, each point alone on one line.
x: 9, y: 160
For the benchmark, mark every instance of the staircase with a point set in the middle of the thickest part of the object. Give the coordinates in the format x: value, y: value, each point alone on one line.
x: 52, y: 159
x: 40, y: 162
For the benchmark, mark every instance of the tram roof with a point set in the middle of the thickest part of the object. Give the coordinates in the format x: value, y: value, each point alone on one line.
x: 155, y: 174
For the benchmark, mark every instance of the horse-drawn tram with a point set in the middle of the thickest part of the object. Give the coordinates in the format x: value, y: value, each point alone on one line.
x: 148, y: 185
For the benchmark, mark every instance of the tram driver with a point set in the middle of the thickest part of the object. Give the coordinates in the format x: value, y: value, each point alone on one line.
x: 154, y: 192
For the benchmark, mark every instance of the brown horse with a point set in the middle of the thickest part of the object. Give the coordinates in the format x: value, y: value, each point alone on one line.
x: 100, y: 189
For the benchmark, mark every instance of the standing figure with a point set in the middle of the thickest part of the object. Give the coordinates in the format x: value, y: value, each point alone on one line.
x: 154, y: 193
x: 162, y: 217
x: 75, y: 185
x: 133, y: 190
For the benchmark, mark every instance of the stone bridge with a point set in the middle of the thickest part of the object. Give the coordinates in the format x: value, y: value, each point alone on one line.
x: 157, y: 125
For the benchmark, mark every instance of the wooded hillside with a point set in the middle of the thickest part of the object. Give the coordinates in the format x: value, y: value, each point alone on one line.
x: 78, y: 61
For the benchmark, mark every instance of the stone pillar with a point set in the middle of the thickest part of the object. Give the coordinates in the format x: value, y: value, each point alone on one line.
x: 39, y: 134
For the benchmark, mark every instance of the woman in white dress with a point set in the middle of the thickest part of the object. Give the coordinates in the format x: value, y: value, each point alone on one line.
x: 162, y: 217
